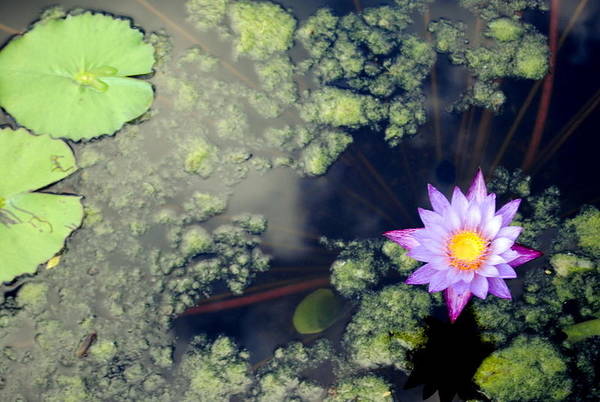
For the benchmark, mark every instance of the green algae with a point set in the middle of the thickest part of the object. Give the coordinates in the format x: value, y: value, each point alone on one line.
x: 367, y: 388
x: 262, y: 28
x: 526, y: 370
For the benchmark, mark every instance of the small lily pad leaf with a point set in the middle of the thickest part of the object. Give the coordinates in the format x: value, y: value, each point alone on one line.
x: 33, y: 225
x: 29, y: 162
x: 317, y: 312
x: 72, y: 77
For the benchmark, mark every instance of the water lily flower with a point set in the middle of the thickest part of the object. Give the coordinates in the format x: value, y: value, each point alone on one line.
x: 468, y: 247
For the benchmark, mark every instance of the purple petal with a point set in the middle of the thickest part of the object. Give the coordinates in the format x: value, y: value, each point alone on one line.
x: 488, y: 208
x: 500, y: 245
x: 452, y: 220
x: 467, y: 276
x: 459, y: 202
x: 403, y: 237
x: 454, y: 275
x: 526, y: 254
x: 440, y: 262
x: 456, y: 302
x: 439, y: 281
x: 510, y: 232
x: 461, y: 287
x: 473, y: 217
x: 509, y: 255
x: 420, y: 253
x: 508, y: 211
x: 498, y: 287
x: 435, y: 233
x: 495, y: 259
x: 491, y: 228
x: 421, y: 275
x: 506, y: 271
x: 429, y: 218
x: 435, y: 247
x: 488, y: 270
x: 477, y: 192
x: 438, y: 201
x: 479, y: 286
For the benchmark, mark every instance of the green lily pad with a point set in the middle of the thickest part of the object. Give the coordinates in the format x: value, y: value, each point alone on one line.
x: 73, y: 77
x: 317, y: 312
x: 33, y: 225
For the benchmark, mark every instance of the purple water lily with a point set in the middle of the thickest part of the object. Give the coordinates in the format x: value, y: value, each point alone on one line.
x: 468, y: 247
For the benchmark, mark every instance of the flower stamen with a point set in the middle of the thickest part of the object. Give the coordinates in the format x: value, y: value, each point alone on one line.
x: 467, y: 250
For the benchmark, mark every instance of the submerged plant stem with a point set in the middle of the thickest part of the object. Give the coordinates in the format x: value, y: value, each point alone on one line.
x: 366, y: 203
x: 534, y: 90
x: 482, y: 138
x: 434, y: 94
x: 542, y: 115
x: 572, y: 126
x: 572, y: 22
x: 516, y: 122
x: 376, y: 190
x: 269, y: 285
x: 383, y: 184
x: 258, y: 297
x: 8, y: 29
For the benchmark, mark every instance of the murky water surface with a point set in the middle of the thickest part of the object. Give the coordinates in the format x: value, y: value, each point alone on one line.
x: 127, y: 277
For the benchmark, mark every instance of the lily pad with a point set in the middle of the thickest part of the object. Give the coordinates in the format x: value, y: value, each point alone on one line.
x: 73, y: 77
x: 33, y: 225
x: 317, y: 312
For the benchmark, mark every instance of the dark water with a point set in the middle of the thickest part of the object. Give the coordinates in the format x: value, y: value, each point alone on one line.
x: 373, y: 188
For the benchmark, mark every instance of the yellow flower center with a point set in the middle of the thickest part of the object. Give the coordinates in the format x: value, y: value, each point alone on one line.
x: 1, y: 202
x: 467, y: 250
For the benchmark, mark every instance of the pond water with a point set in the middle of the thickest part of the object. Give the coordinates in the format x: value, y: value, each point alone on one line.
x: 240, y: 187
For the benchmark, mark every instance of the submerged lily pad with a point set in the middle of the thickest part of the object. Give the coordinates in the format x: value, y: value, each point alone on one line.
x: 317, y: 312
x: 72, y: 77
x: 33, y: 225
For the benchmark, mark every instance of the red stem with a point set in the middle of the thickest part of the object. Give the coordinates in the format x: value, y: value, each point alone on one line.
x: 542, y: 114
x: 258, y: 297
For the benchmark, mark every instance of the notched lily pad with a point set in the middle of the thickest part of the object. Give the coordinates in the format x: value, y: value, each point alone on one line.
x: 73, y: 77
x: 33, y: 225
x: 317, y: 312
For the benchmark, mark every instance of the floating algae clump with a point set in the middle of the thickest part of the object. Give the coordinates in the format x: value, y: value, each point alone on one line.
x: 282, y: 378
x: 195, y: 240
x: 531, y: 59
x: 321, y: 154
x: 263, y: 28
x: 205, y: 14
x: 517, y: 50
x: 587, y: 229
x: 398, y: 257
x: 367, y: 65
x: 388, y: 327
x: 367, y: 388
x: 201, y: 158
x: 566, y: 264
x: 338, y: 107
x: 215, y: 371
x: 356, y: 269
x: 505, y: 29
x: 204, y: 205
x: 529, y: 369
